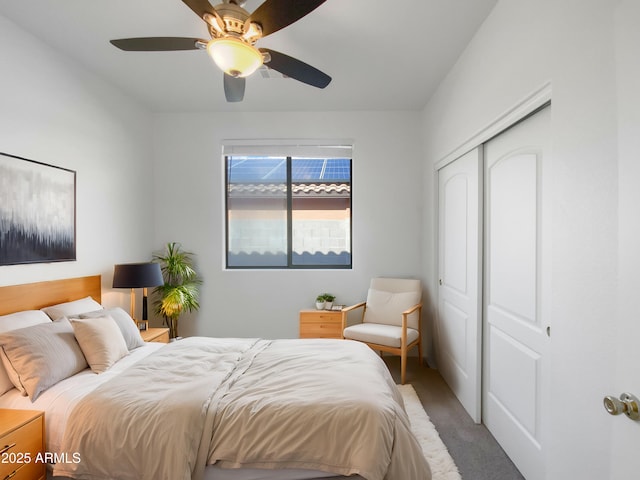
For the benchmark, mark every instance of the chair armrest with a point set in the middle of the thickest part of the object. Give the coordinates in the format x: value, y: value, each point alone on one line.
x: 405, y: 314
x: 412, y: 309
x: 346, y: 310
x: 353, y: 307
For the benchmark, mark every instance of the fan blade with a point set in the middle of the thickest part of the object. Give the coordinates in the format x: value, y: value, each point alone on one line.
x: 273, y: 15
x: 200, y: 7
x: 156, y: 44
x: 206, y: 12
x: 294, y: 68
x: 234, y: 88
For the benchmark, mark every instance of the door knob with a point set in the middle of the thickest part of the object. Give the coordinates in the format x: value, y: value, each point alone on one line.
x: 627, y: 404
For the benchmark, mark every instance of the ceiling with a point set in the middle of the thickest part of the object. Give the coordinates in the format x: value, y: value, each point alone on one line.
x: 387, y: 55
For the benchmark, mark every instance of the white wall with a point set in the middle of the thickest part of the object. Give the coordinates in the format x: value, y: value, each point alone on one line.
x: 53, y: 111
x: 522, y: 45
x: 190, y: 209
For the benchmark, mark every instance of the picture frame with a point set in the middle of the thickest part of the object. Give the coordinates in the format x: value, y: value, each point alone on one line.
x: 143, y: 325
x: 37, y: 212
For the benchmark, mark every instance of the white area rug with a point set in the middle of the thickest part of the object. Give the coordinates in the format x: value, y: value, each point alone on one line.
x: 441, y: 463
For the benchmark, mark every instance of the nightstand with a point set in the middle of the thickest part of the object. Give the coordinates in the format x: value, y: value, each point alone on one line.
x: 320, y: 324
x: 22, y: 444
x: 160, y: 335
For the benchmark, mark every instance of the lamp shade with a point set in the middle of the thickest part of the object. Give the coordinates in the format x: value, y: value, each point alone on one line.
x: 234, y: 57
x: 137, y: 275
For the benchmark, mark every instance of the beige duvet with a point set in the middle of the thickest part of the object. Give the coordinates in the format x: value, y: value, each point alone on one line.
x: 327, y: 405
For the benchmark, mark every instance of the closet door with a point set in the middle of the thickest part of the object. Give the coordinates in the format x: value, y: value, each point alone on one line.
x: 515, y: 337
x: 459, y: 269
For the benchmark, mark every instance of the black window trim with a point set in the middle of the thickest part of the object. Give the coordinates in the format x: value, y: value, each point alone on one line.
x: 289, y: 265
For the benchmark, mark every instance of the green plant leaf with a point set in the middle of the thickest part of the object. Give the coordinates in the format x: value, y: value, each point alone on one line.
x: 179, y: 294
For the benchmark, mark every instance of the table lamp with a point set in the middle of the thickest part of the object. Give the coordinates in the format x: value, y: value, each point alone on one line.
x: 137, y: 275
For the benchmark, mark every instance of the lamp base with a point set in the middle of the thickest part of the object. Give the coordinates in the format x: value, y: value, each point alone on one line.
x: 133, y: 304
x: 144, y: 304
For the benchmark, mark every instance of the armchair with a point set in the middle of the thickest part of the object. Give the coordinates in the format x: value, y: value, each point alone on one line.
x: 390, y: 320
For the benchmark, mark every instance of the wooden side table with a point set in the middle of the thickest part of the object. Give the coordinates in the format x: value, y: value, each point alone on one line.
x: 320, y: 324
x: 160, y: 335
x: 22, y: 444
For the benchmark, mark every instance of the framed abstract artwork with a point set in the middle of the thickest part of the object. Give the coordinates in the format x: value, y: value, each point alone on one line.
x: 37, y: 212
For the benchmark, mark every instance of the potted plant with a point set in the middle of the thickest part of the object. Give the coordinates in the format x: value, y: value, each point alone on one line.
x: 328, y: 300
x: 320, y: 302
x: 179, y: 294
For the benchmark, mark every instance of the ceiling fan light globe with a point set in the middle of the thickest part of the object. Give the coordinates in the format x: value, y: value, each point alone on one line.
x: 234, y: 57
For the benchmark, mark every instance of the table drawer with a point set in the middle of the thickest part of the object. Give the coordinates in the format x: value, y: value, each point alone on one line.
x: 321, y: 316
x: 162, y: 338
x: 19, y: 450
x: 28, y: 471
x: 320, y: 324
x: 159, y: 335
x: 320, y: 330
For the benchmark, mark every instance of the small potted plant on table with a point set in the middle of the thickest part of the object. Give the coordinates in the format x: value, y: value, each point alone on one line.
x: 328, y: 300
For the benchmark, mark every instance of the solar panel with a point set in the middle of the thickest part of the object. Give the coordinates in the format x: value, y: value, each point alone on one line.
x: 338, y: 169
x: 269, y: 169
x: 306, y: 169
x: 257, y: 169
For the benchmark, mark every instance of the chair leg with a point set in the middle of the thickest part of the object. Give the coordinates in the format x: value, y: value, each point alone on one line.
x: 403, y: 367
x: 420, y: 353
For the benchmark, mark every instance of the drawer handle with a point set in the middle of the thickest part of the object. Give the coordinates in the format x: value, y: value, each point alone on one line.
x: 11, y: 475
x: 6, y: 448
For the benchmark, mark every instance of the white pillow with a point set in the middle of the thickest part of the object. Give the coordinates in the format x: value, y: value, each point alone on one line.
x: 72, y: 309
x: 124, y: 321
x: 15, y: 321
x: 100, y: 340
x: 40, y: 356
x: 387, y: 307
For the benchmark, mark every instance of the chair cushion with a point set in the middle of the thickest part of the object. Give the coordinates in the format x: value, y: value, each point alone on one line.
x: 396, y: 285
x: 388, y: 335
x: 387, y: 307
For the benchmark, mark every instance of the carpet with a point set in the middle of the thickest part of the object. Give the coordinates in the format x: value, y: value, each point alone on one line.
x: 441, y: 463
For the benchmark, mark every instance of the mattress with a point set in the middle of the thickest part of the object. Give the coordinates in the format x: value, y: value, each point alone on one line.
x: 58, y: 402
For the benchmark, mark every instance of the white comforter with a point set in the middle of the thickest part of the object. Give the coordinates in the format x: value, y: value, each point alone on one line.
x: 314, y: 404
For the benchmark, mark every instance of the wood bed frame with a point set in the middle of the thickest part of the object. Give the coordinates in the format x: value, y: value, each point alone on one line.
x: 34, y: 296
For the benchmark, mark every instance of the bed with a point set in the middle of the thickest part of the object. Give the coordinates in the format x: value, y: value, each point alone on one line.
x: 202, y: 408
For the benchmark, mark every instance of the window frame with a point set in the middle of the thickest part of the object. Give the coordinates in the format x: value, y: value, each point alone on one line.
x: 289, y: 214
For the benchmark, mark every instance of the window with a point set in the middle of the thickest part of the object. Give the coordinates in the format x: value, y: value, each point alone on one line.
x: 288, y: 211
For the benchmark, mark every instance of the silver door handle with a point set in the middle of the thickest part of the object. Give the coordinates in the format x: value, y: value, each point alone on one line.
x: 627, y: 404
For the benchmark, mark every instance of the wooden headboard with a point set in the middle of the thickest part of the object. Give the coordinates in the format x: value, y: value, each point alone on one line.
x: 34, y: 296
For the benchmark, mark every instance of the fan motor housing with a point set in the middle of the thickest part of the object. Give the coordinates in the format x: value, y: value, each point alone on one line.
x: 233, y: 16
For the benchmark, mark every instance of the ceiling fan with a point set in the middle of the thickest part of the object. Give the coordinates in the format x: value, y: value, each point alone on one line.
x: 234, y: 32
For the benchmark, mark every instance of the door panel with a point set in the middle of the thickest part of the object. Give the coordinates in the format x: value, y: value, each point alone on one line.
x: 455, y: 221
x: 455, y: 332
x: 459, y: 300
x: 625, y: 461
x: 515, y: 340
x: 512, y: 247
x: 513, y: 382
